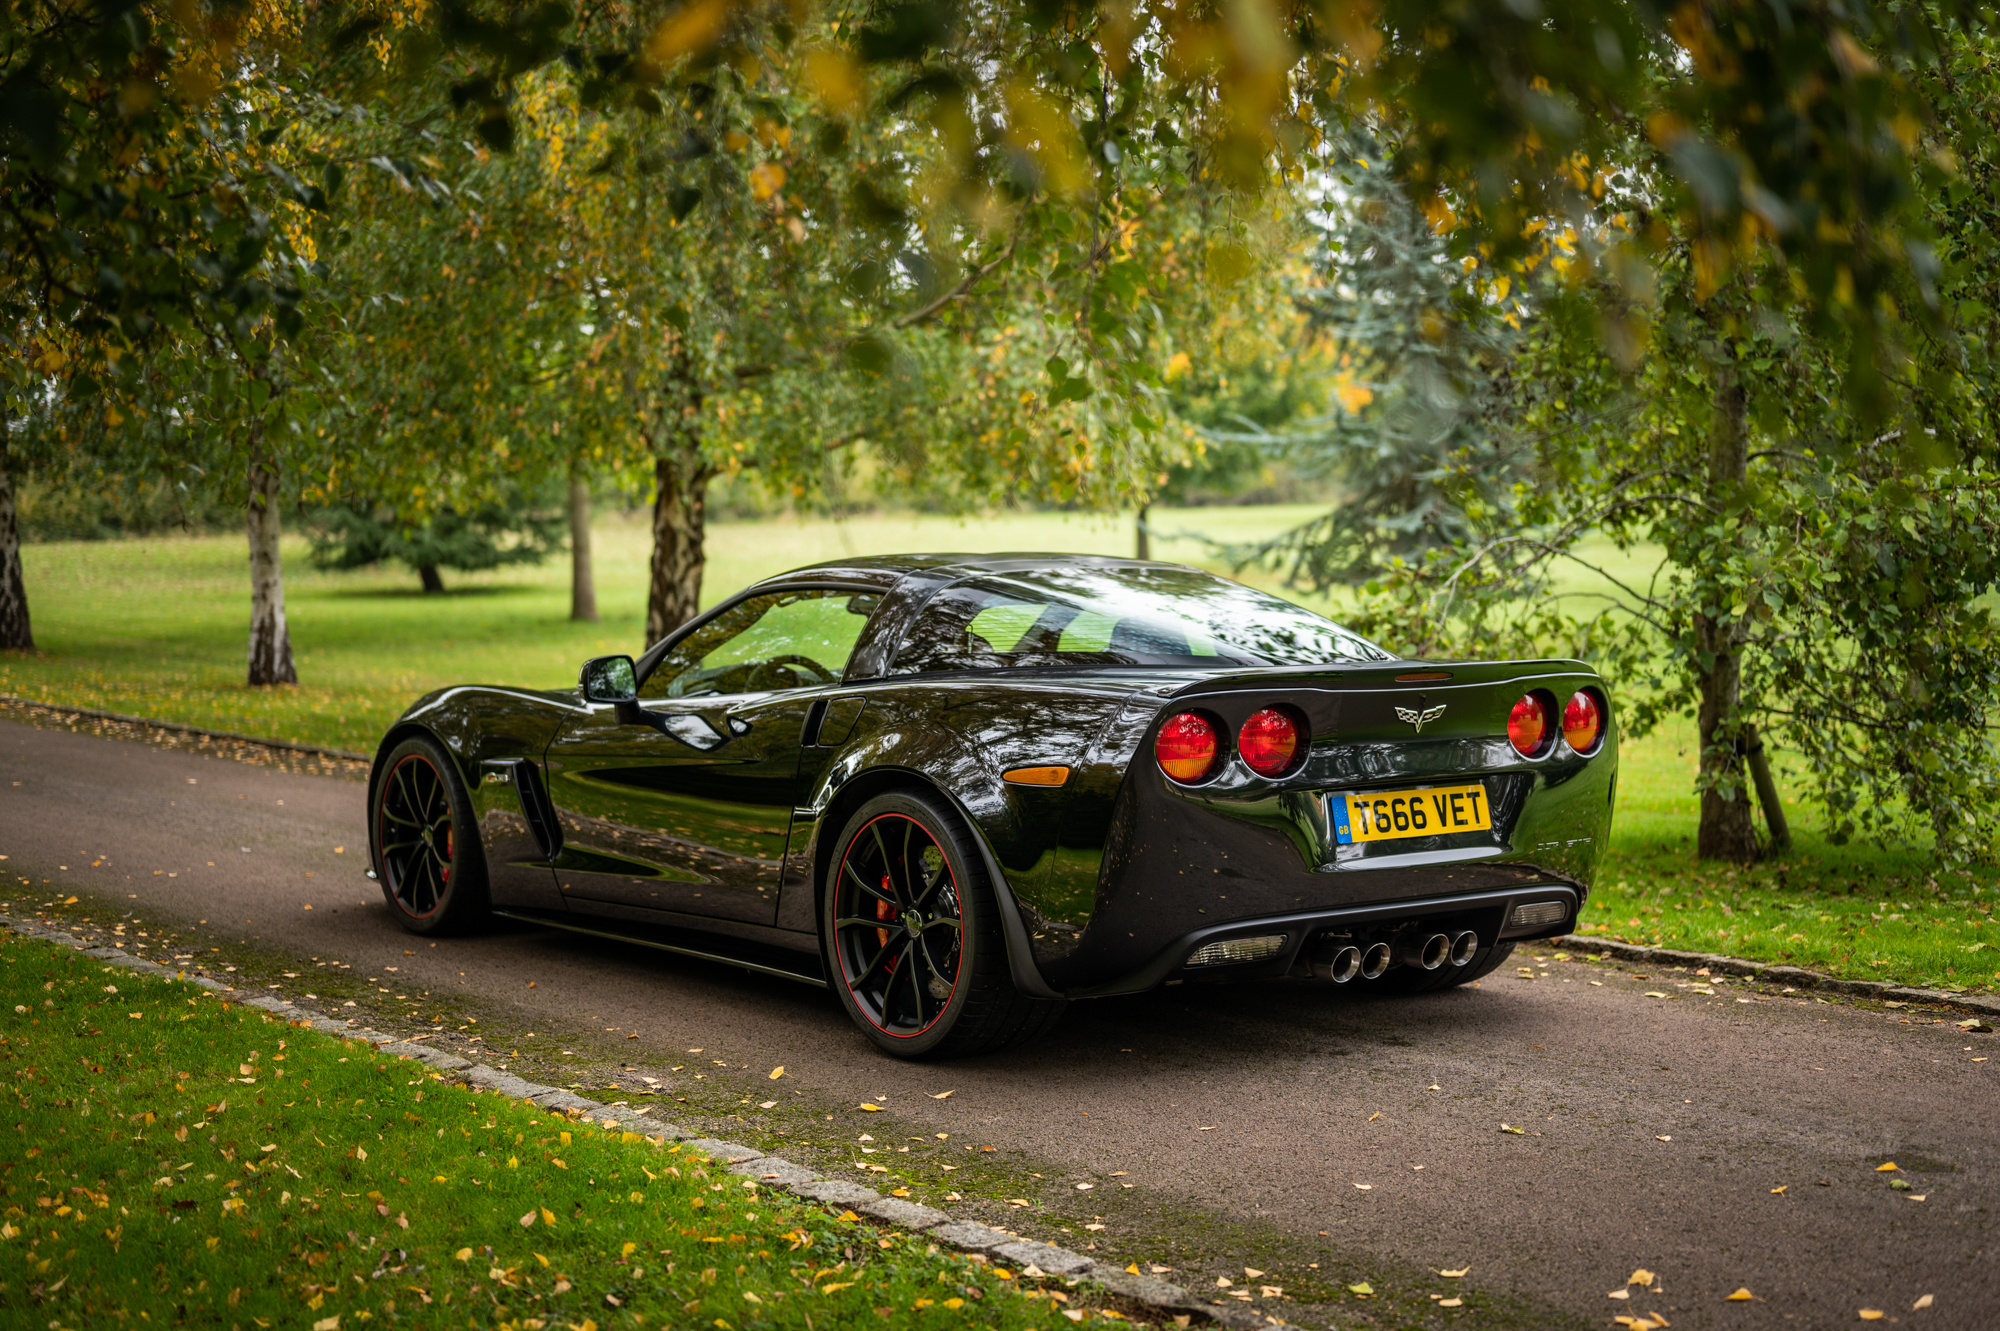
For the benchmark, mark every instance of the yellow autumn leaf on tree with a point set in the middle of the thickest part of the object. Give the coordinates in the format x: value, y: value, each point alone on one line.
x: 832, y: 75
x: 766, y: 179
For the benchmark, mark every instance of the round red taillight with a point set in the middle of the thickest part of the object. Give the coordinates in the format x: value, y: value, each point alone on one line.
x: 1528, y: 725
x: 1583, y: 721
x: 1187, y: 747
x: 1269, y: 742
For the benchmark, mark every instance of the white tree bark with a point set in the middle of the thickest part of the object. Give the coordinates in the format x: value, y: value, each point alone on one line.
x: 270, y: 640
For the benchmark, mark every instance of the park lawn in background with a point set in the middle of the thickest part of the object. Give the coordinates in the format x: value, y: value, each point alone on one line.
x: 1859, y: 911
x: 157, y: 628
x: 176, y: 1159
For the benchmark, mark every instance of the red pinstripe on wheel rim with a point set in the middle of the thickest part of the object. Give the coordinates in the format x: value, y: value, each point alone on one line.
x: 898, y: 928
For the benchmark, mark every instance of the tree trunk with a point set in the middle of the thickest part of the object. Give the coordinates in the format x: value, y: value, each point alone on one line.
x: 1144, y: 545
x: 432, y: 579
x: 582, y: 582
x: 1767, y: 791
x: 680, y: 520
x: 16, y: 632
x: 270, y: 640
x: 1726, y: 831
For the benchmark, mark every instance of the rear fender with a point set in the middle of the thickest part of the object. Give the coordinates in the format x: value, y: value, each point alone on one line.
x: 960, y: 748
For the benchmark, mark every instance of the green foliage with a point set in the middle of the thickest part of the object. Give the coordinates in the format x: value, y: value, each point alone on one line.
x: 1414, y: 357
x: 1843, y: 571
x: 1791, y: 126
x: 121, y: 508
x: 517, y: 527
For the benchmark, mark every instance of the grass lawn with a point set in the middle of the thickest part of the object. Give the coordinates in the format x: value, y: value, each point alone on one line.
x: 157, y: 628
x: 177, y: 1160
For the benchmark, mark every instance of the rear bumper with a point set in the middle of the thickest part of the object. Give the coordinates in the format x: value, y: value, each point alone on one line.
x: 1485, y: 913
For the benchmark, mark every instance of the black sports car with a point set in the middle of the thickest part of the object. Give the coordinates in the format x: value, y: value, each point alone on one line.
x: 960, y: 791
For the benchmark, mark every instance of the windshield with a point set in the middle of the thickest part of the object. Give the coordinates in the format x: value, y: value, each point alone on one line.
x: 1157, y: 615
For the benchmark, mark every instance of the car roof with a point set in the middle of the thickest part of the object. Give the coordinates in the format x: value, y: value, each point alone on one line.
x: 885, y: 571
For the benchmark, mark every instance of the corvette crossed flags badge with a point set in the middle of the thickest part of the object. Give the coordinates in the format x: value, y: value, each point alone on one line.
x: 1420, y: 719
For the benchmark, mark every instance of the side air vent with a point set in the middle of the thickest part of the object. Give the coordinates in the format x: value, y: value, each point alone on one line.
x: 535, y: 806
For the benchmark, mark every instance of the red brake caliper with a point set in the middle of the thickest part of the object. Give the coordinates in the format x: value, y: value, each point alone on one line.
x: 445, y: 876
x: 883, y: 911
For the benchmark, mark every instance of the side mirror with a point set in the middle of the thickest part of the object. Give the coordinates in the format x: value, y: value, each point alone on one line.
x: 610, y: 679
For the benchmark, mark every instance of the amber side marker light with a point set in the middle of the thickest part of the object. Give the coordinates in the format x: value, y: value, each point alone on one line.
x: 1187, y: 747
x: 1583, y: 721
x: 1036, y: 776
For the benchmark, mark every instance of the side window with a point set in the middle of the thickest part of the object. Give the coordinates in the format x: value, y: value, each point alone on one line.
x: 784, y: 640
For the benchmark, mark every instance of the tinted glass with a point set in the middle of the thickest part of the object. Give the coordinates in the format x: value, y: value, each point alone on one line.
x: 786, y: 640
x: 1119, y: 616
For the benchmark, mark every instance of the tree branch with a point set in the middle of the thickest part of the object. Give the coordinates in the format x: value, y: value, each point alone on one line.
x: 957, y: 293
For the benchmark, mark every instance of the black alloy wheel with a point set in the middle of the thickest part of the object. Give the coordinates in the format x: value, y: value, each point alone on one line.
x: 427, y: 855
x: 899, y: 925
x: 913, y: 937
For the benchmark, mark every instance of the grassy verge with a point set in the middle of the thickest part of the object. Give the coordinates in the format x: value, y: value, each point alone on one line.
x: 1858, y: 911
x: 177, y: 1160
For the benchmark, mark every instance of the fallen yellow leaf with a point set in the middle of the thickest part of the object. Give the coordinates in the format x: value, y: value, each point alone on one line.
x: 1462, y: 1271
x: 1886, y: 1167
x: 463, y: 1254
x: 1742, y: 1295
x: 944, y: 1095
x: 1451, y: 1303
x: 1619, y: 1294
x: 777, y: 1072
x: 1779, y: 1191
x: 873, y: 1109
x: 1640, y: 1277
x: 1923, y: 1302
x: 1871, y: 1314
x: 1364, y: 1289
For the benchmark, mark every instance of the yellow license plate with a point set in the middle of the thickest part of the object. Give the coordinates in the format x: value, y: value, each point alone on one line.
x: 1391, y: 814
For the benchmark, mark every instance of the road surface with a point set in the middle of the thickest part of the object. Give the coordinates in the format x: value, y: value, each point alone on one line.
x: 1549, y: 1133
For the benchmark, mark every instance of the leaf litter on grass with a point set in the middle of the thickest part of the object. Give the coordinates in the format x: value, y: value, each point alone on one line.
x: 133, y: 1199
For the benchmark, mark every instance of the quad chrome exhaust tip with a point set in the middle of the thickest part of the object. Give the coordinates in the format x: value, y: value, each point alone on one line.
x: 1424, y: 951
x: 1374, y: 961
x: 1464, y: 947
x: 1341, y: 967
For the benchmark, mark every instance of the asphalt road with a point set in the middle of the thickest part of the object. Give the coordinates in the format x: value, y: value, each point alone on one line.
x: 1275, y: 1124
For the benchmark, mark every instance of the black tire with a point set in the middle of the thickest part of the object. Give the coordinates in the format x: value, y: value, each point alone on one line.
x: 424, y: 842
x: 1416, y: 980
x: 905, y: 868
